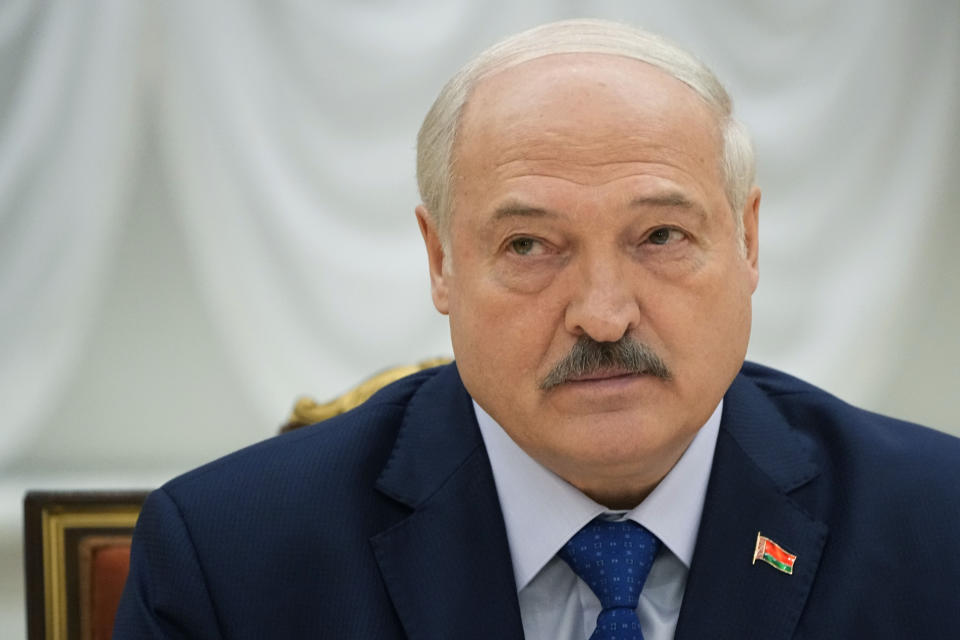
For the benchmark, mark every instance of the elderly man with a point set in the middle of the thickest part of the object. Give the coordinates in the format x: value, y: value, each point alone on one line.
x: 599, y: 462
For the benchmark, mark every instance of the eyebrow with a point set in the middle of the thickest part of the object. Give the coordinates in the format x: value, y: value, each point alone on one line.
x: 520, y: 210
x: 669, y: 199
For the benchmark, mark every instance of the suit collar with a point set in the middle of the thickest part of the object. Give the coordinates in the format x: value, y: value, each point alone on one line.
x: 438, y: 432
x: 447, y: 565
x: 763, y: 434
x: 758, y: 462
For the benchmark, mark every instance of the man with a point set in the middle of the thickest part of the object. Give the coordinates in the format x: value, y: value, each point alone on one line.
x: 590, y: 221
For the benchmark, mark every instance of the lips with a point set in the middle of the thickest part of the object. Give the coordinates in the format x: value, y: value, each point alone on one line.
x: 605, y: 374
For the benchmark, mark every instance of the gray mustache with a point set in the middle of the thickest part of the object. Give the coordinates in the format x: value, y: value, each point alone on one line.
x: 588, y: 357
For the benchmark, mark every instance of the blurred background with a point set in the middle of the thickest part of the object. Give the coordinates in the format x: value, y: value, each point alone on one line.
x: 206, y: 210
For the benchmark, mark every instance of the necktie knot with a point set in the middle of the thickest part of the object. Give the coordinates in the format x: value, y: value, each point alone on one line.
x: 613, y: 558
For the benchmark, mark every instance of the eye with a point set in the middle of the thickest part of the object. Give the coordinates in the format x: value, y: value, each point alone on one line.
x: 523, y: 246
x: 664, y: 235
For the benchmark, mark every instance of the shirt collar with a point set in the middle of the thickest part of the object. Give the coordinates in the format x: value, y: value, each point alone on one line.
x: 542, y: 511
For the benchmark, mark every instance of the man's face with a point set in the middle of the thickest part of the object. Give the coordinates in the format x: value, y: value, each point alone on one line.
x: 589, y: 204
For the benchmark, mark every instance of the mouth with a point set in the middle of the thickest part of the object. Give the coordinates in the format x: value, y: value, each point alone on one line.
x: 603, y: 375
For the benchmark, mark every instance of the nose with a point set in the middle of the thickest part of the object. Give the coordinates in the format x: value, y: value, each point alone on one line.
x: 604, y: 303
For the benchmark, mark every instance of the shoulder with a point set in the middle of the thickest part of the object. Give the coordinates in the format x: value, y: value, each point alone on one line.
x: 276, y: 514
x: 342, y: 454
x: 860, y: 449
x: 813, y: 409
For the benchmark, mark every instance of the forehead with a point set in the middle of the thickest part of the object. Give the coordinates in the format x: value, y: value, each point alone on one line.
x: 584, y: 113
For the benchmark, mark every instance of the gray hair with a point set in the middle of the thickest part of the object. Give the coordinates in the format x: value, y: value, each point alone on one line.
x: 438, y: 134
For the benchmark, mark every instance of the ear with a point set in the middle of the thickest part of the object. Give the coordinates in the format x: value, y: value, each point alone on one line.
x: 436, y: 258
x: 751, y: 222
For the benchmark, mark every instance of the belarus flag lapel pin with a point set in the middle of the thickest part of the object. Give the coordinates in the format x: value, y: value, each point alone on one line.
x: 773, y: 554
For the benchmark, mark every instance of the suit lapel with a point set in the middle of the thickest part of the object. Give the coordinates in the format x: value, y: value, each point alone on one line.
x: 758, y: 462
x: 447, y: 565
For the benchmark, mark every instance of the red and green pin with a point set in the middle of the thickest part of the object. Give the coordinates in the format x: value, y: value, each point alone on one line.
x: 773, y: 554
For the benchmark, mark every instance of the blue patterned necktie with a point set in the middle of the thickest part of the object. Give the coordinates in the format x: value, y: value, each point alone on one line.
x: 613, y: 558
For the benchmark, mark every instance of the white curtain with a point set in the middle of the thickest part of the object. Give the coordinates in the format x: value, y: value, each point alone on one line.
x: 283, y: 134
x: 68, y: 133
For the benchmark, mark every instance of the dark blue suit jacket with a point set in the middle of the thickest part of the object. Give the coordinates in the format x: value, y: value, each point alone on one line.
x: 384, y: 523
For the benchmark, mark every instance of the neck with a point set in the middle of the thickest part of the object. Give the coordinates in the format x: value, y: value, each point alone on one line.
x: 619, y: 497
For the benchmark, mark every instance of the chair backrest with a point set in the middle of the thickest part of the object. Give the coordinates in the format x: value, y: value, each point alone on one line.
x: 76, y: 559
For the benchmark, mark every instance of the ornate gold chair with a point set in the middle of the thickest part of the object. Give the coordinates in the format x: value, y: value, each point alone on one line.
x: 308, y: 411
x: 77, y: 544
x: 76, y: 559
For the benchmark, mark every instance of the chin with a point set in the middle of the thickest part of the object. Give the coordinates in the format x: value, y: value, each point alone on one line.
x: 621, y: 438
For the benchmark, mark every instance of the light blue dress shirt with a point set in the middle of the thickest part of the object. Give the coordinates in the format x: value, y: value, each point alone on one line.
x: 542, y: 511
